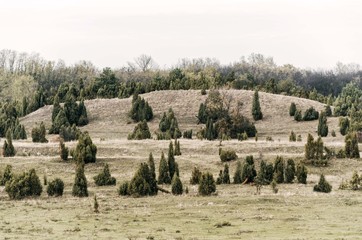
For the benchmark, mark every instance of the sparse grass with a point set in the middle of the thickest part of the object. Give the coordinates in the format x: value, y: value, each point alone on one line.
x: 295, y: 212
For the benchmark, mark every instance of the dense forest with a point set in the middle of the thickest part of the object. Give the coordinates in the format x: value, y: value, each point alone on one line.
x: 29, y: 82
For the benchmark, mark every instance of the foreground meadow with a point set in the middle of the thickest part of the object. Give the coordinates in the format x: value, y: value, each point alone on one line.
x: 235, y: 212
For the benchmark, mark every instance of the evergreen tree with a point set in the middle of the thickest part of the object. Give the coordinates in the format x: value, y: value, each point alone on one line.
x: 249, y: 172
x: 163, y: 172
x: 322, y: 186
x: 256, y: 110
x: 210, y: 133
x: 64, y: 151
x: 7, y: 175
x: 141, y: 181
x: 177, y: 148
x: 219, y: 178
x: 301, y: 173
x: 80, y: 186
x: 85, y: 151
x: 207, y: 184
x: 140, y: 110
x: 310, y: 114
x: 344, y: 125
x: 279, y: 170
x: 226, y: 176
x: 96, y: 205
x: 123, y: 189
x: 265, y: 173
x: 59, y: 122
x: 322, y: 125
x: 292, y: 109
x: 171, y: 160
x: 202, y: 116
x: 71, y: 109
x: 309, y: 148
x: 104, y: 178
x: 195, y: 176
x: 56, y: 107
x: 153, y: 180
x: 289, y: 171
x: 238, y: 173
x: 8, y: 148
x: 176, y: 185
x: 82, y: 114
x: 328, y: 111
x: 351, y: 146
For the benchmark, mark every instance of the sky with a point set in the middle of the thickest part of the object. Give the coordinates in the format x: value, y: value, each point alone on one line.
x: 109, y: 33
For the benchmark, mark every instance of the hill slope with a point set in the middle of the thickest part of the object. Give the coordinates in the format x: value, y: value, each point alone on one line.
x: 108, y: 117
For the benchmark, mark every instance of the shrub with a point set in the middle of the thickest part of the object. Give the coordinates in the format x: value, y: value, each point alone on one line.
x: 195, y: 176
x: 227, y: 155
x: 104, y: 178
x: 96, y: 205
x: 269, y: 139
x: 249, y: 172
x: 64, y: 151
x: 333, y: 133
x: 55, y: 188
x: 38, y: 134
x: 24, y: 185
x: 328, y: 110
x: 80, y: 186
x: 322, y: 186
x: 176, y: 185
x: 299, y: 138
x: 7, y: 175
x: 310, y: 114
x: 123, y: 189
x: 298, y: 115
x: 274, y: 185
x: 292, y: 109
x: 207, y: 184
x: 141, y: 131
x: 289, y: 171
x: 187, y: 134
x: 292, y: 137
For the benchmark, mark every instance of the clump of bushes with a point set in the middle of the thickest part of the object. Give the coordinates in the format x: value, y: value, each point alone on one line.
x: 69, y: 133
x: 322, y: 186
x: 310, y: 114
x: 355, y: 183
x: 38, y: 134
x: 24, y: 185
x: 86, y: 151
x: 104, y: 178
x: 55, y: 188
x: 140, y: 110
x: 141, y: 131
x: 187, y: 134
x: 8, y: 147
x: 301, y: 173
x: 227, y: 155
x: 169, y: 125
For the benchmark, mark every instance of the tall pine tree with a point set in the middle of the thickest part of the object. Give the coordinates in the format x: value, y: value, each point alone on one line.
x: 256, y: 110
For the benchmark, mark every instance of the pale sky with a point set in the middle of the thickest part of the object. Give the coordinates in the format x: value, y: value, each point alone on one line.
x: 305, y: 33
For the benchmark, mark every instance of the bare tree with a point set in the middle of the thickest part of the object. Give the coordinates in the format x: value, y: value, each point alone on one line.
x: 145, y: 63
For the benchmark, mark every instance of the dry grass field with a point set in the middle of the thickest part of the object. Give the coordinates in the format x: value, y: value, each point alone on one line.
x: 295, y: 212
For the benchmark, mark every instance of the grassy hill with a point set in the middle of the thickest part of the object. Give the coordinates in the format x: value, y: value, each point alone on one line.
x: 295, y: 212
x: 108, y: 117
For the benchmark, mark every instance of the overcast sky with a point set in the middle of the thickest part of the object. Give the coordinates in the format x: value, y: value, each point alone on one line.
x: 308, y: 33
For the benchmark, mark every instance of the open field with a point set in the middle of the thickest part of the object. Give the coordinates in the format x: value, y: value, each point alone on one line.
x: 295, y: 212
